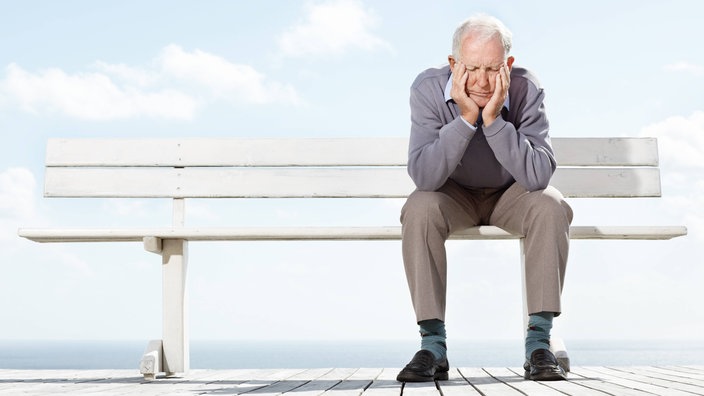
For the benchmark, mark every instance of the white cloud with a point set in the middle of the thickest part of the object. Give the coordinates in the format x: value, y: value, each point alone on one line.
x: 680, y: 139
x: 223, y: 78
x: 176, y: 86
x: 333, y: 27
x: 91, y: 96
x: 686, y: 67
x: 17, y: 201
x: 681, y: 145
x: 129, y: 74
x: 17, y: 187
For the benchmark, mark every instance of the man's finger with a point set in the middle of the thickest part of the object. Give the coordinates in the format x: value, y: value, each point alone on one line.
x: 506, y: 77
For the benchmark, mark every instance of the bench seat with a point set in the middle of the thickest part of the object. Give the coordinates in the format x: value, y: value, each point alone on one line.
x: 322, y: 233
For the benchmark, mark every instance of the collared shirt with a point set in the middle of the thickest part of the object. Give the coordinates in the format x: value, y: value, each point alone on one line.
x: 448, y: 97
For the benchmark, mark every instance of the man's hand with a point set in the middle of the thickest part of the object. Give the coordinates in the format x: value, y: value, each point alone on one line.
x: 493, y: 109
x: 468, y: 108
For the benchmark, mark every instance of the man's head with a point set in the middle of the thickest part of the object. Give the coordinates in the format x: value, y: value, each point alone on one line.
x: 482, y: 44
x: 483, y: 27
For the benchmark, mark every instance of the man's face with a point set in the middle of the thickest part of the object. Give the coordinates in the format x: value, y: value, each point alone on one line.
x: 483, y: 59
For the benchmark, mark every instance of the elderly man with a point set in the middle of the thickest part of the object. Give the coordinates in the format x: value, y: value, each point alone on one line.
x: 480, y: 153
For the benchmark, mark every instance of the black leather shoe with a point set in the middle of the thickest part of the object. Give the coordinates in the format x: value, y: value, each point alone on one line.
x: 543, y: 366
x: 424, y: 368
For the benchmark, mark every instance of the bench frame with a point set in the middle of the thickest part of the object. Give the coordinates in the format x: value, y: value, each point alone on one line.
x: 299, y: 168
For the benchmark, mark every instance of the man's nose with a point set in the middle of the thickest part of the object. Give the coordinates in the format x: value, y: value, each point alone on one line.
x: 482, y: 78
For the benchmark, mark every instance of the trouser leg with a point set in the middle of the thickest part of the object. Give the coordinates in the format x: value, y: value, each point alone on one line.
x: 428, y: 218
x: 544, y: 218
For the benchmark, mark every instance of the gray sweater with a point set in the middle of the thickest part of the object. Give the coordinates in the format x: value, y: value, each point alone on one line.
x: 514, y: 148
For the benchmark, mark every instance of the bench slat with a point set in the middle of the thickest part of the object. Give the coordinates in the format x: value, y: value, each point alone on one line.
x: 607, y: 182
x: 313, y: 152
x: 311, y: 182
x: 228, y: 152
x: 323, y: 233
x: 606, y: 151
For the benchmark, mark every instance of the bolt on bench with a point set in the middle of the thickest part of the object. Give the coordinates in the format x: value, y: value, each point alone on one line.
x: 298, y: 168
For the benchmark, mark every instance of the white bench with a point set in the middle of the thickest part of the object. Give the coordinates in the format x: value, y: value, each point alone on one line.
x: 297, y: 168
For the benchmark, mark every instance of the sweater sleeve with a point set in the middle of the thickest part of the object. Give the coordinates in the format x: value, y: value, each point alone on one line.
x: 436, y: 144
x: 523, y: 147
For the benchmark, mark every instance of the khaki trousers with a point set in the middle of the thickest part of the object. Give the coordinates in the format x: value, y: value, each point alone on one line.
x: 429, y: 217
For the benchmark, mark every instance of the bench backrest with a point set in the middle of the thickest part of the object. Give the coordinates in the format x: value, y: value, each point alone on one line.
x: 316, y: 167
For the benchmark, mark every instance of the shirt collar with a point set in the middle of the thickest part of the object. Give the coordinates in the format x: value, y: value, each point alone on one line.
x: 448, y: 97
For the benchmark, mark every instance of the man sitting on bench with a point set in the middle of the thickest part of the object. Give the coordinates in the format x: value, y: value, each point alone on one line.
x: 480, y: 153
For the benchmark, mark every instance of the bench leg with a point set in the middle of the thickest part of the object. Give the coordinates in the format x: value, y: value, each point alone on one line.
x: 175, y: 320
x: 557, y: 346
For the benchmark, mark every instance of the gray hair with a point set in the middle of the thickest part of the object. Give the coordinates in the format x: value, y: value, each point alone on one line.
x: 486, y: 26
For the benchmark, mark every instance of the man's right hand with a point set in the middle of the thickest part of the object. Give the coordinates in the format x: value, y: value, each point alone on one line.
x: 468, y: 108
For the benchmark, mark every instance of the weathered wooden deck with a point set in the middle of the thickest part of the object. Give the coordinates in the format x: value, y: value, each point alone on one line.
x: 617, y: 381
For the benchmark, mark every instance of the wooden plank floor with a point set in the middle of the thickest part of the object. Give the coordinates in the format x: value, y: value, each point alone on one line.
x: 617, y: 381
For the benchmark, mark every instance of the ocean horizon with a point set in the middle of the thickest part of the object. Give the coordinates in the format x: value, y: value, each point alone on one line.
x: 238, y: 354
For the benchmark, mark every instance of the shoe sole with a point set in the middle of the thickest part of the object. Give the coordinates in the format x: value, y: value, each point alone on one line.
x: 545, y: 377
x: 441, y: 376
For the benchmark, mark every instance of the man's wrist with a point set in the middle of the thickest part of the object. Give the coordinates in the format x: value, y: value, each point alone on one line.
x: 471, y: 118
x: 473, y: 125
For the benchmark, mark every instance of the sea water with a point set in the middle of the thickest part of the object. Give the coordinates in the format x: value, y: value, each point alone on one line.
x: 317, y: 354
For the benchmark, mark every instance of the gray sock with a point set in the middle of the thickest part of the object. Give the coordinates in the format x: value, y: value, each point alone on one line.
x: 433, y: 337
x: 538, y: 334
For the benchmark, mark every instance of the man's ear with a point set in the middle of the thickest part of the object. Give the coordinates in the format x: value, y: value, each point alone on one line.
x: 451, y: 59
x: 509, y: 62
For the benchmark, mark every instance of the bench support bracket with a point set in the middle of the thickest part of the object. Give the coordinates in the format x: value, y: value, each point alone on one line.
x: 152, y: 360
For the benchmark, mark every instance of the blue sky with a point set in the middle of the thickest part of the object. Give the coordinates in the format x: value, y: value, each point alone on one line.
x: 334, y: 68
